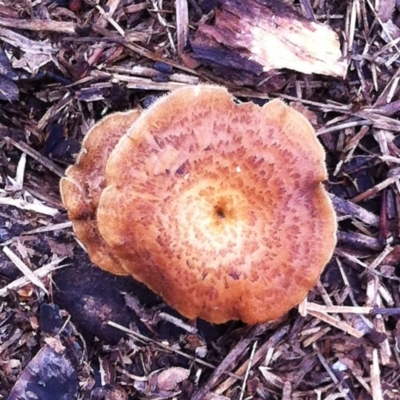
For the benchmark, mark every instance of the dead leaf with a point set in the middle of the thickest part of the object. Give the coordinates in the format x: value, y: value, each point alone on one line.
x: 170, y: 377
x: 386, y: 9
x: 55, y: 344
x: 61, y: 249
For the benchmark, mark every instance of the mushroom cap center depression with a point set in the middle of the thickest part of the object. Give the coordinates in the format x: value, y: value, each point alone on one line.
x: 214, y: 217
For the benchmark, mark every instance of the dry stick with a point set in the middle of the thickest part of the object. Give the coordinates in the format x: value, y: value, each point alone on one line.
x: 39, y: 25
x: 196, y: 8
x: 379, y: 121
x: 36, y: 156
x: 376, y: 377
x: 315, y: 337
x: 355, y: 260
x: 108, y: 17
x: 20, y: 174
x: 246, y: 375
x: 53, y: 110
x: 135, y: 82
x: 272, y: 379
x: 381, y: 257
x: 177, y: 322
x: 348, y: 286
x: 23, y: 204
x: 354, y: 142
x: 343, y: 108
x: 260, y: 353
x: 323, y: 293
x: 25, y: 44
x: 182, y: 24
x: 346, y: 207
x: 386, y: 311
x: 147, y: 72
x: 230, y: 360
x: 342, y: 126
x: 385, y: 352
x: 39, y: 273
x: 350, y: 25
x: 48, y: 228
x: 339, y: 309
x: 337, y: 323
x: 358, y: 240
x: 348, y: 290
x: 111, y: 7
x: 352, y: 310
x: 24, y: 269
x: 368, y: 117
x: 44, y: 197
x: 377, y: 188
x: 308, y: 10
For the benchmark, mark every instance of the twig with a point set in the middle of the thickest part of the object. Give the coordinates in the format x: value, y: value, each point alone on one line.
x: 338, y: 309
x: 246, y: 375
x: 376, y: 385
x: 177, y: 322
x: 36, y: 156
x: 39, y: 273
x: 376, y: 189
x: 337, y: 323
x: 182, y: 24
x: 351, y: 210
x: 39, y: 25
x: 24, y: 268
x: 107, y: 16
x: 49, y: 228
x: 34, y: 205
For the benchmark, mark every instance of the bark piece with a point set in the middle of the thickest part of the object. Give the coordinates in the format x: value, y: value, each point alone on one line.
x: 257, y: 37
x: 50, y: 375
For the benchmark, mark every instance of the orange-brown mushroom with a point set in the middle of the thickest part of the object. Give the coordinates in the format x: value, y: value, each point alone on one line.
x: 219, y: 207
x: 84, y: 181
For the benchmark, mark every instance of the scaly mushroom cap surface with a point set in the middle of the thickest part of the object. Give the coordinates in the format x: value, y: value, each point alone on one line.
x: 84, y: 181
x: 219, y: 207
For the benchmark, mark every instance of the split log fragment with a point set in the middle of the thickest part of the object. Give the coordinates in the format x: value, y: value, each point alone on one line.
x: 259, y: 36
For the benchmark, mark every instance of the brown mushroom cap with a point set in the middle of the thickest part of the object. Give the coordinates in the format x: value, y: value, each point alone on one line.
x: 219, y: 207
x: 84, y: 181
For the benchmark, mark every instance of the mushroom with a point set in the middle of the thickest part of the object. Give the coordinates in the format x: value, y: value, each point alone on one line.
x: 218, y: 207
x: 84, y: 181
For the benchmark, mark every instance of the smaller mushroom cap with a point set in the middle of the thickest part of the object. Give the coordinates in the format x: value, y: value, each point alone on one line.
x: 84, y: 181
x: 220, y: 207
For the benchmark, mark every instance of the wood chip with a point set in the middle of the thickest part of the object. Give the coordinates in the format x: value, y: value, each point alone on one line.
x: 341, y: 325
x: 376, y: 377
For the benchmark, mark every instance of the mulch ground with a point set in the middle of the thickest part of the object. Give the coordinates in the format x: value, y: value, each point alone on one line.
x: 64, y: 65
